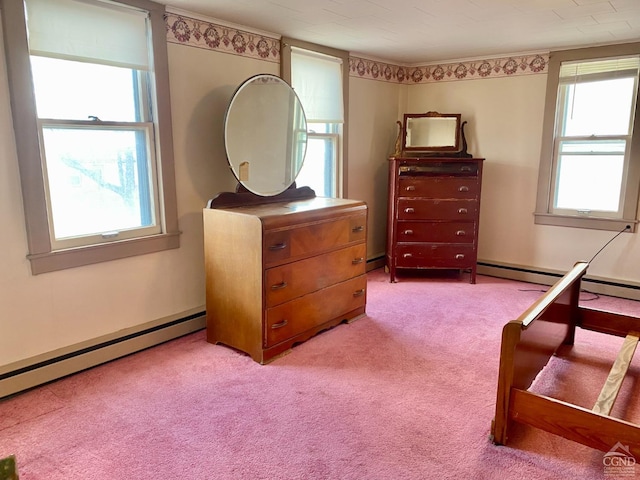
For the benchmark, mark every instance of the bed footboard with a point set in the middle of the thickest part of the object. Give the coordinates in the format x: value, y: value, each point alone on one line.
x: 529, y: 342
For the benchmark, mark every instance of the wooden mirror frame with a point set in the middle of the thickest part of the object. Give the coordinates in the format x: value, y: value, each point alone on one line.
x: 458, y: 149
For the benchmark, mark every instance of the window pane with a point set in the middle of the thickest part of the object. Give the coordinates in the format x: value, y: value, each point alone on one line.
x: 589, y: 182
x: 98, y: 180
x: 321, y: 127
x: 68, y: 90
x: 318, y: 170
x: 598, y: 108
x: 596, y: 146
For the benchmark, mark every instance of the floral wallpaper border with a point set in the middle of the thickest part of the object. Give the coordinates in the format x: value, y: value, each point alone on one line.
x: 496, y: 67
x: 204, y: 34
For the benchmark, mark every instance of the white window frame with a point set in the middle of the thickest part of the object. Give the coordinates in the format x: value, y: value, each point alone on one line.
x: 342, y: 134
x: 42, y: 255
x: 136, y: 232
x: 545, y: 213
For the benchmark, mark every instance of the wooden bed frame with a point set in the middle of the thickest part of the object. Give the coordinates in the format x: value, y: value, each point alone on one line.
x: 527, y: 345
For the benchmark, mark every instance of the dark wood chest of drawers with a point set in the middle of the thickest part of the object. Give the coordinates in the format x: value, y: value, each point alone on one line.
x: 434, y: 206
x: 277, y: 274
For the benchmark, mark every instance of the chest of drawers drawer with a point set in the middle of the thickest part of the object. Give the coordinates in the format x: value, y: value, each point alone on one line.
x: 436, y: 232
x: 435, y: 168
x: 435, y: 255
x: 436, y: 209
x: 438, y: 187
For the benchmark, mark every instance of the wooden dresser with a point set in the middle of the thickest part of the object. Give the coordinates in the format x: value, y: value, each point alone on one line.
x: 434, y: 206
x: 278, y: 273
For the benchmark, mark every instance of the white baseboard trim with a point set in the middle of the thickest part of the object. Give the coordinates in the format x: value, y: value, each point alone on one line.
x: 600, y: 285
x: 23, y: 375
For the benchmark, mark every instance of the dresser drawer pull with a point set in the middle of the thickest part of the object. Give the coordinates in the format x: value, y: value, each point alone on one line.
x: 459, y: 256
x: 279, y: 325
x: 357, y: 261
x: 278, y: 286
x: 357, y: 229
x: 463, y: 211
x: 407, y: 255
x: 408, y: 232
x: 465, y: 169
x: 358, y: 293
x: 463, y: 188
x: 278, y: 246
x: 461, y: 233
x: 409, y: 210
x: 410, y: 188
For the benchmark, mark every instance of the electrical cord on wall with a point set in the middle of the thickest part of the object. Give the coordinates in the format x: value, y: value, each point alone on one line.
x: 627, y: 227
x: 596, y: 296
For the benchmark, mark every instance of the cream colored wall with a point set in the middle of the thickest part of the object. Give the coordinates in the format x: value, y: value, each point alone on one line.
x: 505, y: 127
x: 373, y: 107
x: 44, y: 313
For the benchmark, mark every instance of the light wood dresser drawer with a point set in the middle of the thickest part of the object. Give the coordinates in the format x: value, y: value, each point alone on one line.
x: 307, y: 312
x: 312, y: 239
x: 295, y: 279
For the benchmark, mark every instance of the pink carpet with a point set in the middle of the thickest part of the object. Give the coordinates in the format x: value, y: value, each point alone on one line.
x: 407, y: 392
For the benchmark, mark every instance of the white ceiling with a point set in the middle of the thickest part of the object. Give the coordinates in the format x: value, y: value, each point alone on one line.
x: 411, y: 32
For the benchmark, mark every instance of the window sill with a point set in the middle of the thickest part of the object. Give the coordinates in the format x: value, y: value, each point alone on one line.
x: 104, y: 252
x: 593, y: 223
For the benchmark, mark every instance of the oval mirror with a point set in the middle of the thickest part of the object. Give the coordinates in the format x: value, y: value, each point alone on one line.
x: 265, y: 135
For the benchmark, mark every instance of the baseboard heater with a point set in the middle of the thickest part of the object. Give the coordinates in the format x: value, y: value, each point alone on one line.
x: 375, y: 263
x: 35, y: 371
x: 590, y: 283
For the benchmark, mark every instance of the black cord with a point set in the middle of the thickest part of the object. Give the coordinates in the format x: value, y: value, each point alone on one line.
x: 595, y: 295
x: 627, y: 227
x: 542, y: 290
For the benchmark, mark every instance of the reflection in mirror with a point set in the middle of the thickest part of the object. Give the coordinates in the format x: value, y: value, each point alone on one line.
x: 432, y: 132
x: 265, y: 135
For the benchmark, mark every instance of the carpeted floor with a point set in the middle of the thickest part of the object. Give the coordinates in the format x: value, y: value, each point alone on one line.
x: 407, y: 392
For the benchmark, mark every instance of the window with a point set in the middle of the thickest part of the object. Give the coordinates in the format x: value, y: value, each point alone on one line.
x: 319, y: 77
x: 89, y: 91
x: 589, y: 177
